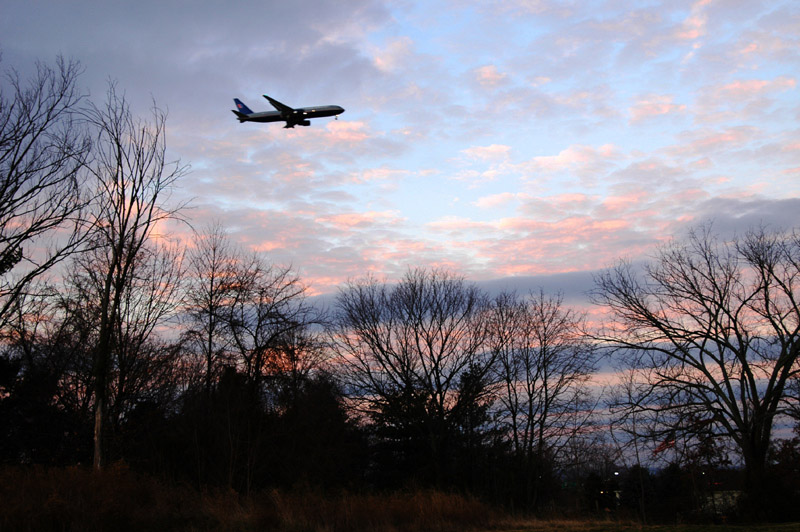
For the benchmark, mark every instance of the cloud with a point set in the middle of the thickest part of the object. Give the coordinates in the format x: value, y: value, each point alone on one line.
x: 395, y: 55
x: 488, y: 76
x: 741, y: 90
x: 346, y: 132
x: 706, y: 142
x: 498, y: 200
x: 353, y: 220
x: 215, y: 51
x: 487, y: 153
x: 694, y: 26
x: 735, y: 216
x: 457, y: 225
x: 573, y: 286
x: 654, y: 105
x: 523, y: 111
x: 582, y: 161
x: 575, y: 155
x: 743, y: 99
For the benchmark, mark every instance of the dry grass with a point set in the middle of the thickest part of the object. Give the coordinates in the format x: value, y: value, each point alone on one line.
x: 77, y: 499
x: 35, y: 499
x: 556, y: 525
x: 563, y: 525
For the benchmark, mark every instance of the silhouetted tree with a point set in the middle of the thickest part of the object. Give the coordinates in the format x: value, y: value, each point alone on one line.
x: 543, y: 362
x: 314, y: 443
x: 712, y: 332
x: 266, y: 312
x: 133, y: 178
x: 43, y: 151
x: 211, y: 280
x: 404, y: 350
x: 267, y: 305
x: 784, y: 476
x: 43, y: 403
x: 250, y: 323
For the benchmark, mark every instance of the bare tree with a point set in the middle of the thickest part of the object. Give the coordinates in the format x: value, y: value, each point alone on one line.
x: 405, y: 348
x: 266, y: 307
x: 134, y: 179
x: 544, y: 362
x: 711, y: 329
x: 143, y: 364
x: 43, y: 150
x: 299, y: 353
x: 49, y: 330
x: 213, y: 264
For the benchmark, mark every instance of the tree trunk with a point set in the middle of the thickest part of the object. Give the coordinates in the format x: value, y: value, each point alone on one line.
x: 99, y: 432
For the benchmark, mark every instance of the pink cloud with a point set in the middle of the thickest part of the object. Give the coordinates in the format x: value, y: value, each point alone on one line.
x: 519, y: 225
x: 574, y: 155
x: 456, y: 224
x: 265, y: 246
x: 654, y: 105
x: 703, y: 163
x: 706, y: 142
x: 694, y: 26
x: 747, y: 89
x: 743, y: 99
x: 394, y: 55
x: 728, y: 137
x: 346, y: 131
x: 773, y: 40
x: 568, y: 203
x: 487, y: 153
x: 497, y: 200
x: 382, y: 173
x: 353, y: 220
x: 623, y: 203
x: 571, y: 198
x: 570, y: 244
x: 489, y: 76
x: 582, y: 161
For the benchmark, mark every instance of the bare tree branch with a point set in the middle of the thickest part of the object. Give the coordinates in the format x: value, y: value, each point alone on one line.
x: 44, y: 148
x: 711, y: 330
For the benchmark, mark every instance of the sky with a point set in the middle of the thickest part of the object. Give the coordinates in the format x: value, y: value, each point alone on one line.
x: 518, y: 143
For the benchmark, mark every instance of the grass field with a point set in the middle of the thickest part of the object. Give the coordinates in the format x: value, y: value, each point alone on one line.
x: 118, y: 500
x: 597, y: 526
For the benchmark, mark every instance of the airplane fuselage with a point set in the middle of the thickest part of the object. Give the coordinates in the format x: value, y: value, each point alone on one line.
x: 298, y: 116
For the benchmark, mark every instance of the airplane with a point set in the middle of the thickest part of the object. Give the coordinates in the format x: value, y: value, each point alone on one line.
x: 292, y: 117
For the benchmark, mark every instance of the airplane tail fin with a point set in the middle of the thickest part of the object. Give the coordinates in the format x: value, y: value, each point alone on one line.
x: 241, y: 108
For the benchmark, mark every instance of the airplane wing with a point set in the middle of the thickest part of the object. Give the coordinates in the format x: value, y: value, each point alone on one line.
x: 283, y: 108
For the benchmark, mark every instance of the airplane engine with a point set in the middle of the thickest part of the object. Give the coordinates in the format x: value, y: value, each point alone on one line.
x: 304, y: 123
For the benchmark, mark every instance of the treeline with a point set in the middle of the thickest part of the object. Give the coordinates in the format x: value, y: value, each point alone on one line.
x: 204, y: 363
